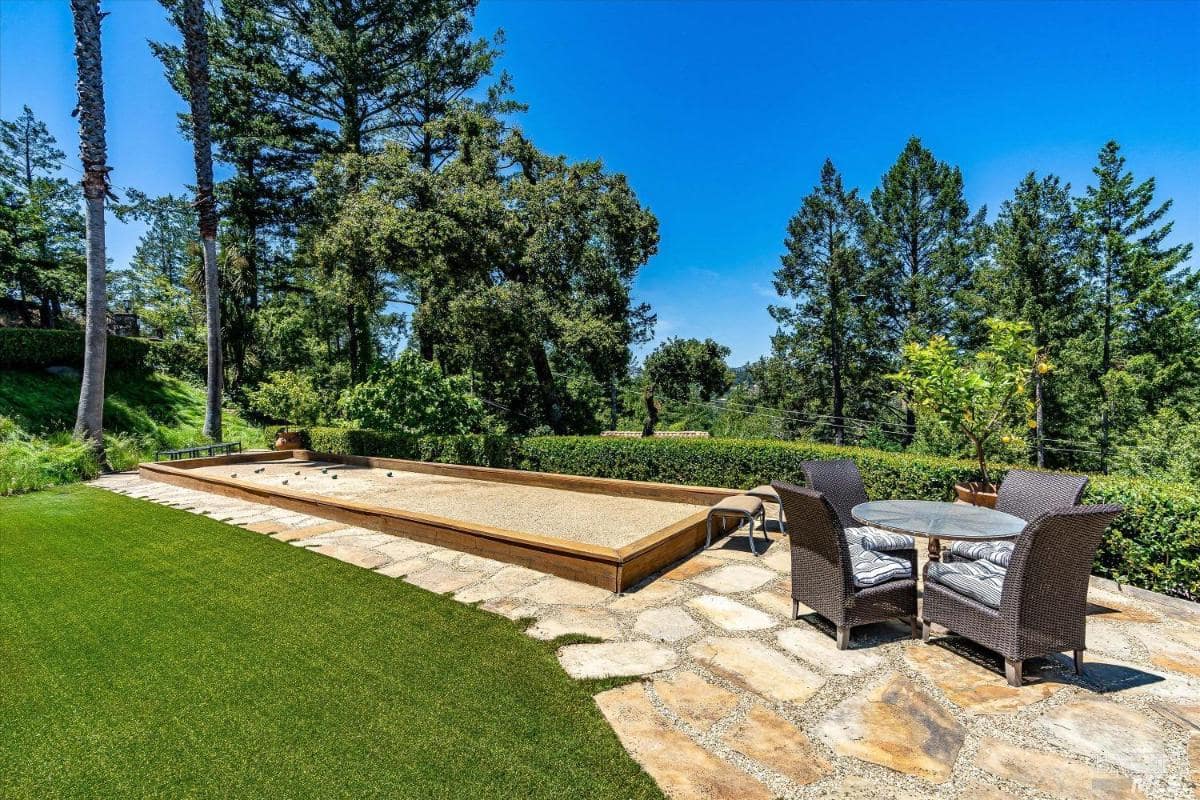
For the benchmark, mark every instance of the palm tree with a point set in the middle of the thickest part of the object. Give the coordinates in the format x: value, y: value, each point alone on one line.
x: 93, y: 152
x: 195, y: 42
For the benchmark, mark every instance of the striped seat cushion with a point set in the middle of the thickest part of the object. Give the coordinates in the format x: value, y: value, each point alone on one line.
x: 980, y: 580
x: 999, y: 553
x: 871, y: 568
x: 874, y: 539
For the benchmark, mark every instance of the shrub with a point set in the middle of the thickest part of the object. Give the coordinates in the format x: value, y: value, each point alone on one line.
x: 411, y: 395
x: 1155, y: 544
x: 183, y: 358
x: 30, y: 463
x: 125, y: 450
x: 288, y: 397
x: 37, y: 348
x: 360, y: 442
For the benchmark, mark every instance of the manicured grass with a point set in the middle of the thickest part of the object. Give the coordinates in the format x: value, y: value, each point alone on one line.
x: 146, y: 651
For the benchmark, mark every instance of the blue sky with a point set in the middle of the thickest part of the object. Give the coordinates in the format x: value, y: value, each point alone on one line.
x: 721, y: 113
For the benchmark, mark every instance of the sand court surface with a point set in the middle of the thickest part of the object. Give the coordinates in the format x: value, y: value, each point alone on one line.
x: 585, y: 517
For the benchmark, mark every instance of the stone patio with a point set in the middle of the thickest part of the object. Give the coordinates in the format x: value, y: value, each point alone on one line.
x: 738, y: 701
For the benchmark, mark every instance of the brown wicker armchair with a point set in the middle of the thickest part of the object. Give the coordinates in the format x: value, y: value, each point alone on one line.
x: 1034, y: 608
x: 839, y: 580
x: 1025, y: 494
x: 842, y: 484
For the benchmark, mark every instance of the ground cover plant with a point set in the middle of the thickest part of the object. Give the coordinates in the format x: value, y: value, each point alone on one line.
x: 145, y: 412
x: 152, y: 652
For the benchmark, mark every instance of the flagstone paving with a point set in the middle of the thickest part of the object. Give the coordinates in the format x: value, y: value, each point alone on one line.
x: 668, y: 624
x: 737, y: 700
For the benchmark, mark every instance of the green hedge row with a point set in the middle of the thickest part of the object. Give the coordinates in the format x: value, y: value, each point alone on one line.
x: 482, y: 451
x: 1155, y: 544
x: 36, y: 348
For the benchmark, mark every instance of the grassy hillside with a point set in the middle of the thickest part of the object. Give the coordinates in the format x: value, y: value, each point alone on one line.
x: 163, y: 409
x: 143, y: 412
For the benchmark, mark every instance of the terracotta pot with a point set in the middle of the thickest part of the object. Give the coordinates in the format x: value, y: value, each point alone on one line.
x: 288, y: 440
x: 977, y: 493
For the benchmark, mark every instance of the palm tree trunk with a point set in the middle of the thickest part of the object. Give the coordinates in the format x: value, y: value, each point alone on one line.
x: 93, y: 152
x: 195, y: 40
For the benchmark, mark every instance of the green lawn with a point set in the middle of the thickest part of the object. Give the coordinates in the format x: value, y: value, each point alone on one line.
x: 146, y: 651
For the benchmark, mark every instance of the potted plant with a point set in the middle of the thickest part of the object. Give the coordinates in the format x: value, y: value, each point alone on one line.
x: 982, y: 396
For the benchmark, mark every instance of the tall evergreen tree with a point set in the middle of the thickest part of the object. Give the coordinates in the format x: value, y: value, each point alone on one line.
x: 1036, y: 279
x: 162, y: 280
x: 49, y: 264
x: 922, y: 243
x: 344, y: 77
x: 823, y: 271
x: 1144, y: 304
x: 93, y: 152
x: 163, y: 248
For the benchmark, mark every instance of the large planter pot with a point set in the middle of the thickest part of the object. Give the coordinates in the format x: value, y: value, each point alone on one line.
x: 976, y: 493
x: 288, y: 440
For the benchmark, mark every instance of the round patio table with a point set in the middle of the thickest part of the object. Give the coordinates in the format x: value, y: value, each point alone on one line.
x: 936, y: 521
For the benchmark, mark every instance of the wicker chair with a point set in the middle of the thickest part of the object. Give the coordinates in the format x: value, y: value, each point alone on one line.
x: 1038, y: 605
x: 842, y: 484
x: 823, y: 572
x: 1024, y: 494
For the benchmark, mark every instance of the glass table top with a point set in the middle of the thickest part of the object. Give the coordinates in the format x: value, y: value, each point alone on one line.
x: 938, y: 520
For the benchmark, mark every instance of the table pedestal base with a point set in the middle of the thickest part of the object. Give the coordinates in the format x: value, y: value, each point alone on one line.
x: 935, y: 549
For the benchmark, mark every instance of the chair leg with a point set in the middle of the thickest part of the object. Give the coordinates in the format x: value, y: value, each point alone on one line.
x: 1012, y: 671
x: 795, y: 609
x: 708, y: 532
x: 914, y: 627
x: 750, y: 519
x: 1078, y: 662
x: 843, y: 637
x: 925, y: 630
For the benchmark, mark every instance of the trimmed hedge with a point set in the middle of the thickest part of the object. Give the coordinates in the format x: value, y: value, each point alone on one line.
x: 480, y: 451
x: 37, y: 348
x: 1155, y: 544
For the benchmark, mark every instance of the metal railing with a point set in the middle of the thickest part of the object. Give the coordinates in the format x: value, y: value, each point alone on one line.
x: 219, y: 449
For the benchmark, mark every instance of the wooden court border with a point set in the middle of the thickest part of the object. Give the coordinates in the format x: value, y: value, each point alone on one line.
x: 615, y: 569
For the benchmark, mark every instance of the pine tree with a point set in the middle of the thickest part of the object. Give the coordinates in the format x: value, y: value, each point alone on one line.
x: 922, y: 243
x: 49, y: 264
x: 823, y: 272
x: 1036, y: 279
x: 1145, y: 306
x: 330, y: 80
